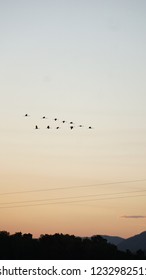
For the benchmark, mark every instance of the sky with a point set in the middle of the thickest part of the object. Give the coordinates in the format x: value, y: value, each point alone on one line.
x: 79, y: 61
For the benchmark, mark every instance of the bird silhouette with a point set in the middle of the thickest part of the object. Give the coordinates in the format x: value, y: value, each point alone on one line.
x: 48, y: 127
x: 71, y: 122
x: 63, y: 121
x: 57, y: 127
x: 36, y: 127
x: 71, y: 127
x: 90, y: 127
x: 26, y: 115
x: 55, y: 119
x: 80, y: 125
x: 43, y: 117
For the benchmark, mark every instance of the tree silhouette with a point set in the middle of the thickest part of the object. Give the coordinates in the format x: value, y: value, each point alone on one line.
x: 20, y: 246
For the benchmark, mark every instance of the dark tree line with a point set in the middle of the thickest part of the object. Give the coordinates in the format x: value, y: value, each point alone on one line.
x: 20, y: 246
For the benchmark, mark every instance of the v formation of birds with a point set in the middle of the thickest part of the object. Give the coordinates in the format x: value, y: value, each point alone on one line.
x: 59, y: 125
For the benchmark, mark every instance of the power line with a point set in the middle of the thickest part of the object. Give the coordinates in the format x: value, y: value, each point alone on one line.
x: 72, y: 197
x: 73, y: 201
x: 74, y: 187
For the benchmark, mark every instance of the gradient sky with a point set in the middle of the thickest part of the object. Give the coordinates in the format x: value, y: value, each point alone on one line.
x: 82, y: 61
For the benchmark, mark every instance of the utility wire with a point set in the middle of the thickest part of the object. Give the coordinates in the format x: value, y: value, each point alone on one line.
x: 73, y: 187
x: 73, y: 201
x: 72, y: 197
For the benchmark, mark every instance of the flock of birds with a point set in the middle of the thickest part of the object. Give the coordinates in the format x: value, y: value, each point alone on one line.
x: 71, y: 123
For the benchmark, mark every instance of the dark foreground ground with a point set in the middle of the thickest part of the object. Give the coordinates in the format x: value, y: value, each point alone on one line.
x: 60, y: 247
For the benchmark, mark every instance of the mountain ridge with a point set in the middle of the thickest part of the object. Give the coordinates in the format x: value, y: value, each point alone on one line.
x: 113, y: 239
x: 134, y: 243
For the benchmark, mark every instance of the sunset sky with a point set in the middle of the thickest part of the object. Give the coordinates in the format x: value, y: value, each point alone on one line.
x: 81, y: 61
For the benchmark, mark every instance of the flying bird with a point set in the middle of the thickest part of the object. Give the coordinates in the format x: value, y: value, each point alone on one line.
x: 26, y: 115
x: 71, y: 127
x: 43, y: 117
x: 36, y: 127
x: 55, y: 119
x: 48, y: 127
x: 90, y: 127
x: 57, y: 127
x: 80, y: 125
x: 63, y: 121
x: 71, y: 122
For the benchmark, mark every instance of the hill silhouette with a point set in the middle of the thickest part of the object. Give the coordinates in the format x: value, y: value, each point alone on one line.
x: 134, y: 243
x: 20, y: 246
x: 113, y: 239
